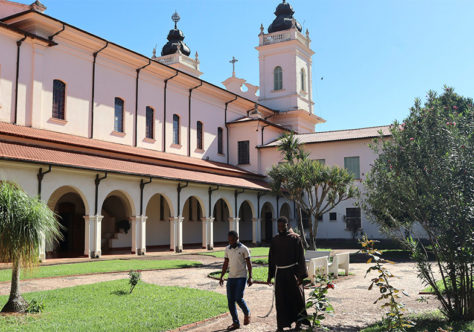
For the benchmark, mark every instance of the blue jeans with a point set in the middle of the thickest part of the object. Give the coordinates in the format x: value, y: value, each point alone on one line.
x: 235, y: 293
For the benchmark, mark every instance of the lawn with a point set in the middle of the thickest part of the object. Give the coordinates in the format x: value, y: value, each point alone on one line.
x: 98, y: 267
x: 258, y: 274
x: 103, y: 307
x: 440, y: 284
x: 428, y: 322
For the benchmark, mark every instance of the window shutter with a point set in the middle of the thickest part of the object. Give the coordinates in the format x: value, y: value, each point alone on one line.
x: 243, y: 152
x: 352, y: 164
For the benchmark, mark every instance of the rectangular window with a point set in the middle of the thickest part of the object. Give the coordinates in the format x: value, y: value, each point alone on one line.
x: 332, y: 216
x: 352, y: 164
x: 118, y: 116
x: 150, y: 121
x: 59, y: 98
x: 175, y: 129
x: 220, y: 142
x: 353, y: 220
x: 199, y: 134
x: 243, y: 152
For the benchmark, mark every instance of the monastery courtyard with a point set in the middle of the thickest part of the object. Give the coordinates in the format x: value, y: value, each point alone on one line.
x: 353, y: 303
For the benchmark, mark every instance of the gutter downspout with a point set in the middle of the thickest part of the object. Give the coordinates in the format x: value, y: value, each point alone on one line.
x: 180, y: 187
x: 142, y: 186
x: 136, y: 101
x: 227, y: 127
x: 259, y: 194
x: 189, y: 117
x: 93, y: 87
x: 278, y: 207
x: 18, y: 44
x: 164, y: 110
x: 236, y: 193
x: 210, y: 198
x: 50, y: 38
x: 40, y: 176
x: 263, y: 128
x: 97, y: 182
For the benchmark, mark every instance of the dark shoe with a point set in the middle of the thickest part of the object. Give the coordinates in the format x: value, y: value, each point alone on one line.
x: 233, y: 327
x: 247, y: 320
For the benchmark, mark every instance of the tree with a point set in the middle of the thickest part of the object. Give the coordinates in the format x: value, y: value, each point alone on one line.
x: 24, y: 221
x: 424, y: 176
x: 314, y: 187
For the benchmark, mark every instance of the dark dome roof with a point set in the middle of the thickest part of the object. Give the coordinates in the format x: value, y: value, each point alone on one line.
x: 284, y: 18
x: 175, y: 43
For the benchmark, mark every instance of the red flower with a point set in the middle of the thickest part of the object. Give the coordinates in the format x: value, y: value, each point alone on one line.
x: 455, y: 107
x: 411, y: 138
x: 454, y: 123
x: 330, y: 285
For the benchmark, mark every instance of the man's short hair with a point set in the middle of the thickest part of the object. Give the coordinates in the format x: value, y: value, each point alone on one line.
x: 283, y: 220
x: 234, y: 234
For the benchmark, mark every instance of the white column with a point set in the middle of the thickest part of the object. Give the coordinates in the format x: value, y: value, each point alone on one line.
x: 208, y: 233
x: 234, y: 224
x: 93, y: 236
x: 42, y: 248
x: 256, y: 231
x: 176, y: 234
x: 139, y: 234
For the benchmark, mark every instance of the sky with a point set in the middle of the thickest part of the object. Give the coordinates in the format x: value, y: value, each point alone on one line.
x: 373, y: 57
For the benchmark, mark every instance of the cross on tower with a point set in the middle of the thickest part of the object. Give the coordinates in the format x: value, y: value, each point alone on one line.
x: 233, y: 61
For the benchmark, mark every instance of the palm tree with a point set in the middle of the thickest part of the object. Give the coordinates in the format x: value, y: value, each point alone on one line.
x: 24, y: 221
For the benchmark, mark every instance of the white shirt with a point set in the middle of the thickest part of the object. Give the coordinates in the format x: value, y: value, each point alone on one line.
x: 237, y: 260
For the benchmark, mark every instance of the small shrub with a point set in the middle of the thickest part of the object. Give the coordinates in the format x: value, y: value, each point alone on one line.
x: 35, y: 307
x: 134, y: 279
x: 318, y: 301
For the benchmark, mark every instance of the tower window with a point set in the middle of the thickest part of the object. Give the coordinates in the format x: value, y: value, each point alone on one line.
x: 59, y: 97
x: 243, y: 152
x: 303, y: 80
x: 199, y: 134
x: 220, y: 142
x: 118, y: 116
x: 150, y: 120
x: 175, y: 129
x: 277, y: 78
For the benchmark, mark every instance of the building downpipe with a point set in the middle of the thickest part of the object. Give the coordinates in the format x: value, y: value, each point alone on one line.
x: 18, y: 45
x: 93, y: 87
x: 135, y: 142
x: 227, y: 127
x: 189, y: 117
x: 164, y: 110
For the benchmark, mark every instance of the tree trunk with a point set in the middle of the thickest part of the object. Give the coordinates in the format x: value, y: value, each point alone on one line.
x: 315, y: 230
x: 312, y: 236
x: 301, y: 226
x: 16, y: 303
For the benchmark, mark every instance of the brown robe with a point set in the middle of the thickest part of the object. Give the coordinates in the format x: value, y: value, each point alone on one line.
x: 287, y: 249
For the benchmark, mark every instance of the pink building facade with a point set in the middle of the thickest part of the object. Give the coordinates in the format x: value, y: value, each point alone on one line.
x: 137, y: 152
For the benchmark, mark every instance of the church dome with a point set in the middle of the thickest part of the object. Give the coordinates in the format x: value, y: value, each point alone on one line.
x: 284, y: 18
x: 175, y: 40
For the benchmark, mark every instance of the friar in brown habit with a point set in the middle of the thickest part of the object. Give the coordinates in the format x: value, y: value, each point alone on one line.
x: 286, y: 262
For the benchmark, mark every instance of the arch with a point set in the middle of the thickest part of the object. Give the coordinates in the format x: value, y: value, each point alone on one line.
x: 70, y: 208
x: 158, y: 210
x: 60, y: 191
x: 221, y: 213
x: 245, y: 223
x: 285, y: 211
x: 117, y: 209
x: 192, y: 213
x: 277, y: 78
x: 267, y: 215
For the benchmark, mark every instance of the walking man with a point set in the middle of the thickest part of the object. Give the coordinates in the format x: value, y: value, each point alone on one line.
x: 237, y: 259
x: 287, y: 264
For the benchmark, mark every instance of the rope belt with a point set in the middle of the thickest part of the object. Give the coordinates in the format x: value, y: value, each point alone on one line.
x: 274, y: 286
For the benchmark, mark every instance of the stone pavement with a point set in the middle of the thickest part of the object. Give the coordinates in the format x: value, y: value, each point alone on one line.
x: 352, y: 302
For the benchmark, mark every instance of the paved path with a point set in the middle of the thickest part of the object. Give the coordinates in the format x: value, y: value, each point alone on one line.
x: 352, y: 301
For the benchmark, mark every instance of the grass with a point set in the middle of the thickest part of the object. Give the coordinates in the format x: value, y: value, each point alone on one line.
x: 428, y: 322
x: 98, y: 267
x: 440, y: 285
x: 104, y: 307
x: 254, y: 252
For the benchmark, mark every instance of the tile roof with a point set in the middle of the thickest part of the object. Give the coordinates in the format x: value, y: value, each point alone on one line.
x: 338, y: 135
x: 26, y: 144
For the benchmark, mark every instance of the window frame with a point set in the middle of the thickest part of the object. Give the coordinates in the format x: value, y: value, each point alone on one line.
x: 176, y: 129
x: 277, y: 78
x: 303, y: 79
x: 346, y: 166
x: 220, y: 140
x: 122, y: 115
x: 332, y: 216
x: 245, y: 161
x: 63, y: 101
x: 199, y: 135
x: 152, y: 124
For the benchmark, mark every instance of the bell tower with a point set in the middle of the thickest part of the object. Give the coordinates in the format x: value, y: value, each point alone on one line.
x: 285, y: 63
